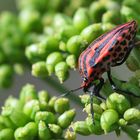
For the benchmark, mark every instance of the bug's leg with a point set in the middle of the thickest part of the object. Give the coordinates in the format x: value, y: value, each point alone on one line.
x: 126, y: 56
x: 115, y: 88
x: 98, y: 88
x: 91, y: 106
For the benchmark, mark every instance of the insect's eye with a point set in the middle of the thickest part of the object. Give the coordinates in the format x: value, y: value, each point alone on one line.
x: 85, y: 79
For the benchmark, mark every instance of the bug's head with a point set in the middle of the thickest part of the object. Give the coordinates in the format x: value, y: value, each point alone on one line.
x: 85, y: 84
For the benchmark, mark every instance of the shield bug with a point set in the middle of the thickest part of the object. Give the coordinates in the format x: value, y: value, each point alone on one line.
x: 109, y: 50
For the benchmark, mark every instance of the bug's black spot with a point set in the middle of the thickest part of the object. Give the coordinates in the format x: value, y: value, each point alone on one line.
x: 125, y: 49
x: 108, y: 64
x: 130, y: 42
x: 110, y: 49
x: 121, y: 54
x: 113, y: 60
x: 134, y: 35
x: 114, y: 54
x: 128, y: 37
x: 129, y: 28
x: 123, y: 35
x: 97, y: 74
x: 106, y: 58
x: 123, y: 42
x: 132, y: 32
x: 117, y: 42
x: 118, y: 49
x: 103, y: 69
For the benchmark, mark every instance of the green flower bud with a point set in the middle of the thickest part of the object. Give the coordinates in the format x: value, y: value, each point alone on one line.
x: 94, y: 128
x: 132, y: 115
x: 7, y: 134
x: 39, y: 51
x: 36, y: 52
x: 5, y: 122
x: 96, y: 116
x: 39, y: 69
x: 137, y: 74
x: 118, y: 102
x: 61, y: 105
x: 130, y: 131
x: 43, y: 131
x: 139, y: 136
x: 85, y: 99
x: 43, y: 95
x: 12, y: 102
x: 103, y: 105
x: 107, y: 27
x: 74, y: 45
x: 132, y: 4
x: 52, y: 60
x: 134, y: 80
x: 109, y: 120
x: 70, y: 135
x: 128, y: 13
x: 45, y: 116
x: 32, y: 128
x: 49, y: 31
x: 106, y: 89
x: 14, y: 114
x: 97, y: 109
x: 81, y: 127
x: 81, y: 19
x: 28, y: 132
x: 29, y: 20
x: 47, y: 19
x: 96, y: 11
x: 122, y: 122
x: 111, y: 17
x: 50, y: 44
x: 7, y: 19
x: 132, y: 63
x: 71, y: 61
x: 52, y: 102
x: 91, y: 32
x: 27, y: 93
x: 61, y: 20
x: 31, y: 108
x: 62, y: 46
x: 66, y: 118
x: 56, y: 129
x: 19, y: 69
x: 112, y: 5
x: 44, y: 106
x: 61, y: 71
x: 6, y: 75
x: 68, y: 31
x: 32, y: 4
x: 131, y: 88
x: 2, y: 57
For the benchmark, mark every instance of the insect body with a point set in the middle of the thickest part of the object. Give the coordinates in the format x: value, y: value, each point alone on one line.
x: 109, y: 50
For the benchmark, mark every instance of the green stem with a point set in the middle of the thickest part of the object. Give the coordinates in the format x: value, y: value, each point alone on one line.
x: 61, y: 88
x: 131, y: 132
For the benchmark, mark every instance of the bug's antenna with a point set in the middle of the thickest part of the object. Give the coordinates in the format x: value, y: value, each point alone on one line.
x: 68, y: 92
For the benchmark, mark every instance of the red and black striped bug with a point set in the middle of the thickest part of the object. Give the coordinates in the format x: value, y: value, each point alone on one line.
x: 109, y: 50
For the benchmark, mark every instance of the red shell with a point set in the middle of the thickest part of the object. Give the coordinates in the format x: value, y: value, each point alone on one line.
x: 105, y: 51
